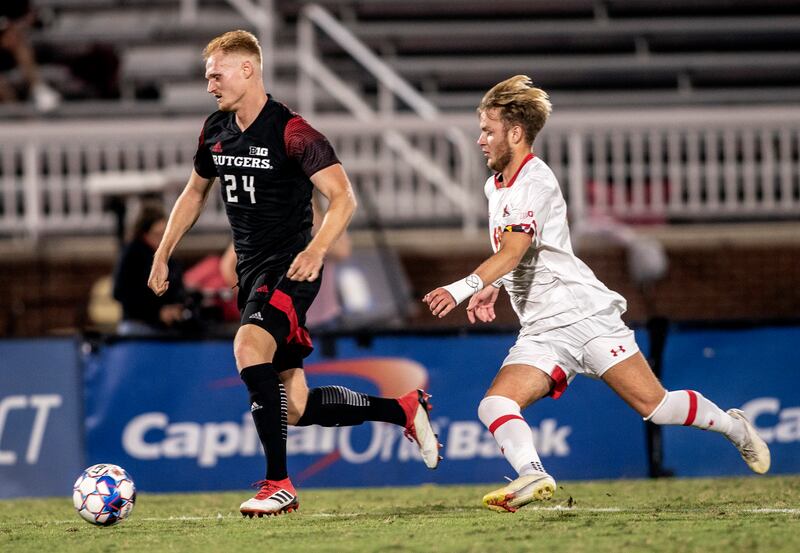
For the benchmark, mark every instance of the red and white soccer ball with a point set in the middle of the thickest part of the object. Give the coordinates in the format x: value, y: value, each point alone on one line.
x: 104, y: 494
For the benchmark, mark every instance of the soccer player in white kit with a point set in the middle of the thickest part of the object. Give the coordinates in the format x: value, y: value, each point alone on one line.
x: 571, y: 322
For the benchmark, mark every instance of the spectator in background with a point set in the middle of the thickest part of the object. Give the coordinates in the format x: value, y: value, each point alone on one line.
x: 16, y: 52
x: 214, y: 278
x: 143, y: 312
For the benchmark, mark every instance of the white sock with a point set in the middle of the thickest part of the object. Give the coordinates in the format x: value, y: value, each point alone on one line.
x: 690, y: 408
x: 503, y: 419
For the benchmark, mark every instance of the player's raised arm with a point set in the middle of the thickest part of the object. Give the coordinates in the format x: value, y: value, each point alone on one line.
x: 332, y: 182
x: 183, y: 216
x: 444, y: 299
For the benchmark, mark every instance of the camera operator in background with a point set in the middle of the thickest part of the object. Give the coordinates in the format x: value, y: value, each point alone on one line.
x: 143, y: 312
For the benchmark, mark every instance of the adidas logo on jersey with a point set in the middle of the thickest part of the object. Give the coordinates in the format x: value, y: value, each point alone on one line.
x: 255, y: 407
x: 257, y: 316
x: 217, y: 148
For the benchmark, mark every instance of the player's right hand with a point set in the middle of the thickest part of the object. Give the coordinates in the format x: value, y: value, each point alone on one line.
x: 481, y: 305
x: 159, y: 273
x: 440, y: 302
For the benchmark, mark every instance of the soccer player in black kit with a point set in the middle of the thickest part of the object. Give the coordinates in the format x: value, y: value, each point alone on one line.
x: 268, y: 160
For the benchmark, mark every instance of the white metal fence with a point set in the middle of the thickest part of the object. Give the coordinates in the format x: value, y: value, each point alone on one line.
x: 683, y: 165
x: 50, y: 173
x: 678, y: 165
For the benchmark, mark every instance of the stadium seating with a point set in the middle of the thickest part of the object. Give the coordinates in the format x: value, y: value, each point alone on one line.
x: 585, y: 52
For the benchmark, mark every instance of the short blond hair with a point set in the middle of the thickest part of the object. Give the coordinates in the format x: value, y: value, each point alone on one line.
x: 519, y: 103
x: 234, y: 41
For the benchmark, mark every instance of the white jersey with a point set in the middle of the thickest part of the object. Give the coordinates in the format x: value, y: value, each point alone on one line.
x: 550, y: 287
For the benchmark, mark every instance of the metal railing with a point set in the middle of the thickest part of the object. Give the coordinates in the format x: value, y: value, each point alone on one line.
x: 648, y: 166
x: 678, y: 164
x: 50, y: 172
x: 449, y: 172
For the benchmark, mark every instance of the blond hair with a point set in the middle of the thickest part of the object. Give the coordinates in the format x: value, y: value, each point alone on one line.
x: 234, y: 41
x: 519, y: 103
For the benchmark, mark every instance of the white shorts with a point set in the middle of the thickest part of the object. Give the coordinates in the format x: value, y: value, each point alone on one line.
x: 590, y: 347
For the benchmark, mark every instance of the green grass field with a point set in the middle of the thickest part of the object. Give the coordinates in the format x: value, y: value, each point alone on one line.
x: 726, y: 515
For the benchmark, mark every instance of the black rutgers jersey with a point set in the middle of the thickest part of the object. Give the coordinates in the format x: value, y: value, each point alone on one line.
x: 264, y: 180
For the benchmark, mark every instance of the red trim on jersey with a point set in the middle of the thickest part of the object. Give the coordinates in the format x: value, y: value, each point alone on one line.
x: 500, y: 421
x: 499, y: 183
x: 308, y: 146
x: 282, y: 301
x: 561, y: 382
x: 297, y: 135
x: 692, y: 408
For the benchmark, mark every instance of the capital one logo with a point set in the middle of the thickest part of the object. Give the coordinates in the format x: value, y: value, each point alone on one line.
x: 41, y: 404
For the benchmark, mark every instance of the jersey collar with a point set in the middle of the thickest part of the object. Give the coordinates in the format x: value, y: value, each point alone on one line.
x: 498, y: 177
x: 234, y: 127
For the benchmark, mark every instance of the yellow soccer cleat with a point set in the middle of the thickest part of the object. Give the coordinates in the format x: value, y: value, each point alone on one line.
x: 539, y: 486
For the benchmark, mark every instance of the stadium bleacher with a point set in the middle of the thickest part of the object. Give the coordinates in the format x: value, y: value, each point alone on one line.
x: 585, y: 52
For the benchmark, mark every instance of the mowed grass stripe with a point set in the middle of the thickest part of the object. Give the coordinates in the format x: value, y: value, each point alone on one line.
x: 237, y: 517
x: 727, y: 515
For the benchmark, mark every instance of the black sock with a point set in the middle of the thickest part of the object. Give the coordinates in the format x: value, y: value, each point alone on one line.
x: 338, y: 406
x: 268, y: 407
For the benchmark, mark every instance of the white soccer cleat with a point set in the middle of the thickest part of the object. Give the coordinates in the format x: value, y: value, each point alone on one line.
x: 418, y: 426
x: 753, y: 449
x: 273, y: 498
x: 539, y: 486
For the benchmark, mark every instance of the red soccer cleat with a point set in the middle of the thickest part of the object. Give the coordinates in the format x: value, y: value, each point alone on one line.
x: 274, y: 498
x: 418, y: 426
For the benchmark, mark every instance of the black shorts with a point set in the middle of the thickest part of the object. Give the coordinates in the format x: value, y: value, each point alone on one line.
x: 278, y: 305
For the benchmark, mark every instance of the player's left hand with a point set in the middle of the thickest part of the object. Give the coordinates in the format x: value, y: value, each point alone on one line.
x: 481, y: 305
x: 440, y: 302
x: 306, y: 266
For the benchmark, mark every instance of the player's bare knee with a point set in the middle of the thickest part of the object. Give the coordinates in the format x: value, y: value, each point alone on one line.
x: 523, y: 384
x: 252, y: 348
x: 248, y: 353
x: 245, y: 354
x: 523, y: 397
